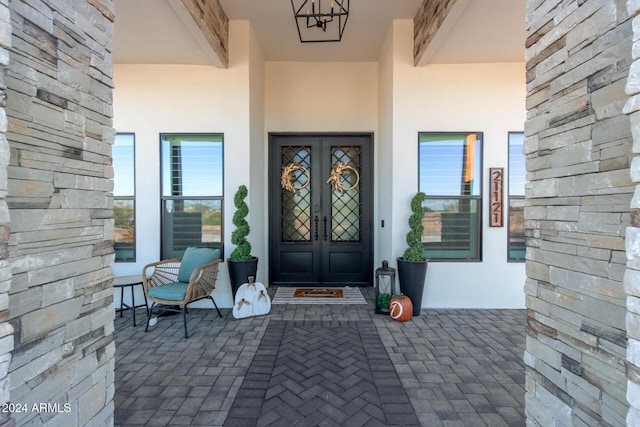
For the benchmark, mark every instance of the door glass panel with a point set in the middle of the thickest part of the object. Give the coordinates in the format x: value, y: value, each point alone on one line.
x: 346, y: 208
x: 296, y: 193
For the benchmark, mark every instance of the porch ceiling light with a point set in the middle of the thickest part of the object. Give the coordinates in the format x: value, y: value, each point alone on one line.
x: 320, y: 21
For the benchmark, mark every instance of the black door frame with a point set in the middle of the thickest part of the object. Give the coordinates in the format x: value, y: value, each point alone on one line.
x: 367, y: 229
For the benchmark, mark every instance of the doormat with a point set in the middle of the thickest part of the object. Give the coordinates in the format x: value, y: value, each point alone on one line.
x: 321, y: 373
x: 317, y: 293
x: 287, y: 295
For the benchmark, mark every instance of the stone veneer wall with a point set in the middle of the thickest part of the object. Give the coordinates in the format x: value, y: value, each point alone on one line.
x: 6, y: 330
x: 427, y: 22
x: 578, y: 147
x: 632, y: 275
x: 213, y: 22
x: 59, y: 112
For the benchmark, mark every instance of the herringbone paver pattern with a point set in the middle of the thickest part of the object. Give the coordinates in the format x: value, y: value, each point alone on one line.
x: 455, y: 367
x: 309, y: 373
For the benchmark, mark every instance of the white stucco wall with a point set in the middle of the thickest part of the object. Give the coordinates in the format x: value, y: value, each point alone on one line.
x: 488, y: 98
x: 258, y: 200
x: 391, y: 98
x: 384, y: 155
x: 321, y: 97
x: 154, y: 99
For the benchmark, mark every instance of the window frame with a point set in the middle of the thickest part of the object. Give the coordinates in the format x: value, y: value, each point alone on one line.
x: 126, y: 198
x: 164, y: 198
x: 511, y: 197
x: 475, y: 239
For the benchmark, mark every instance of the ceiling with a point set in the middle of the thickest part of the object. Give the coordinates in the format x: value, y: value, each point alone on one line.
x: 150, y: 32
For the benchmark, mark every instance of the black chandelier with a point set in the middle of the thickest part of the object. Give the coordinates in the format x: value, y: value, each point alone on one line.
x: 320, y: 21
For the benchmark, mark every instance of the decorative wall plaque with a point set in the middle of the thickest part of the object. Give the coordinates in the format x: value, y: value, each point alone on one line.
x: 497, y: 205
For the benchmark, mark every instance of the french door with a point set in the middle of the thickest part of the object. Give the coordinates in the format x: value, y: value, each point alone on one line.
x: 320, y: 209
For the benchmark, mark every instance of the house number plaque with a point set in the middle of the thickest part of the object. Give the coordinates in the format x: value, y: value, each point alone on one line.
x: 497, y: 205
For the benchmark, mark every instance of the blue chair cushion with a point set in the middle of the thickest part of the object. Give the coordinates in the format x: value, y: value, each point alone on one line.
x: 193, y: 258
x: 175, y: 291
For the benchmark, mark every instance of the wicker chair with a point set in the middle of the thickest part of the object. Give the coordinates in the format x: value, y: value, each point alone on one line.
x: 181, y: 281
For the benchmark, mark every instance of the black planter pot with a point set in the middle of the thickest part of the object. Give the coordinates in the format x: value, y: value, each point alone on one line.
x: 239, y: 272
x: 411, y: 275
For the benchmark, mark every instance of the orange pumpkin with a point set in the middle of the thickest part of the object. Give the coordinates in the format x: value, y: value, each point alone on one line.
x: 400, y: 308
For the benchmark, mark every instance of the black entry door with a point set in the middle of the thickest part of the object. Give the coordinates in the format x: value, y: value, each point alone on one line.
x: 320, y: 209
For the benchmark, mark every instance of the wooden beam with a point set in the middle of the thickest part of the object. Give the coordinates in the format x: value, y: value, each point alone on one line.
x: 209, y: 25
x: 432, y: 23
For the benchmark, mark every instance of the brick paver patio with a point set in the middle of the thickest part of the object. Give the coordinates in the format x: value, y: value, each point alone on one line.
x: 455, y: 367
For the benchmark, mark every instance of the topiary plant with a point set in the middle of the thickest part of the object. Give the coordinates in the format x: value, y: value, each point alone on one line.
x: 415, y: 249
x: 242, y: 252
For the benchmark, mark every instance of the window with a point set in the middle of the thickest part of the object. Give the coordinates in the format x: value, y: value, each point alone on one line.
x: 517, y: 178
x: 450, y: 171
x: 192, y: 173
x: 124, y: 199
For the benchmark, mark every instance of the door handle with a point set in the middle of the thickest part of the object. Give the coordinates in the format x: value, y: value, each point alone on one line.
x: 325, y: 228
x: 316, y: 222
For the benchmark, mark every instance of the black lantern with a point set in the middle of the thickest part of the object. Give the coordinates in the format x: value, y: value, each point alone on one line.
x: 318, y: 22
x: 385, y: 287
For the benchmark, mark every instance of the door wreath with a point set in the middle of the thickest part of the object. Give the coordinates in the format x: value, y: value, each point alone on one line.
x: 336, y: 176
x: 285, y: 179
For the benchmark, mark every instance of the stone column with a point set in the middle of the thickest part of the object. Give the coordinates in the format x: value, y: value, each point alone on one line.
x: 632, y: 275
x: 59, y: 132
x: 578, y: 148
x: 6, y: 330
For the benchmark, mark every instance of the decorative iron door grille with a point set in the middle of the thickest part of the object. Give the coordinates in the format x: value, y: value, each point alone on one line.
x: 346, y: 210
x: 295, y: 210
x: 320, y: 223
